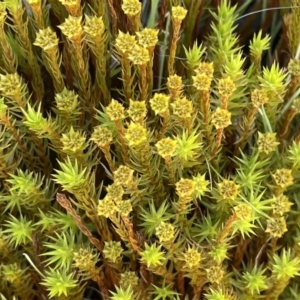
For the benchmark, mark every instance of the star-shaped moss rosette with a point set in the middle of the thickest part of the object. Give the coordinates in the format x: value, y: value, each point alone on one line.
x: 178, y: 13
x: 153, y: 255
x: 147, y: 37
x: 267, y: 142
x: 46, y: 39
x: 125, y: 42
x: 131, y: 8
x: 221, y: 118
x: 11, y: 85
x: 136, y: 135
x: 160, y: 103
x: 228, y: 189
x: 71, y: 176
x: 191, y: 258
x: 175, y: 85
x: 72, y: 28
x: 276, y: 227
x: 94, y: 26
x: 283, y: 178
x: 129, y: 278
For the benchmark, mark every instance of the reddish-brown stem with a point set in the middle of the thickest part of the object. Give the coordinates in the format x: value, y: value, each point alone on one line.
x: 143, y: 82
x: 173, y: 48
x: 114, y: 17
x: 288, y: 118
x: 218, y: 141
x: 226, y: 230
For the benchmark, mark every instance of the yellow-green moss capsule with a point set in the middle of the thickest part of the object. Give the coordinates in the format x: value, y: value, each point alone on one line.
x: 115, y: 192
x: 175, y: 86
x: 282, y: 205
x: 124, y: 207
x: 205, y: 68
x: 137, y: 110
x: 106, y: 207
x: 66, y: 101
x: 215, y: 274
x: 94, y: 26
x: 243, y: 211
x: 131, y: 7
x: 115, y: 110
x: 267, y: 142
x: 129, y: 279
x: 73, y: 141
x: 202, y: 82
x: 191, y: 258
x: 112, y: 250
x: 10, y: 84
x: 139, y: 55
x: 228, y: 190
x: 166, y: 147
x: 123, y: 175
x: 226, y: 87
x: 276, y: 227
x: 101, y: 136
x: 165, y: 231
x: 72, y: 28
x: 148, y: 37
x: 259, y: 97
x: 136, y: 134
x: 46, y: 39
x: 125, y: 42
x: 183, y: 108
x: 160, y: 103
x: 85, y: 260
x: 283, y: 178
x: 185, y: 188
x: 178, y: 14
x: 221, y: 118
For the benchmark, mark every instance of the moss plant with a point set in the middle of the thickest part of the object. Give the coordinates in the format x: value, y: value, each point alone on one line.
x: 149, y: 162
